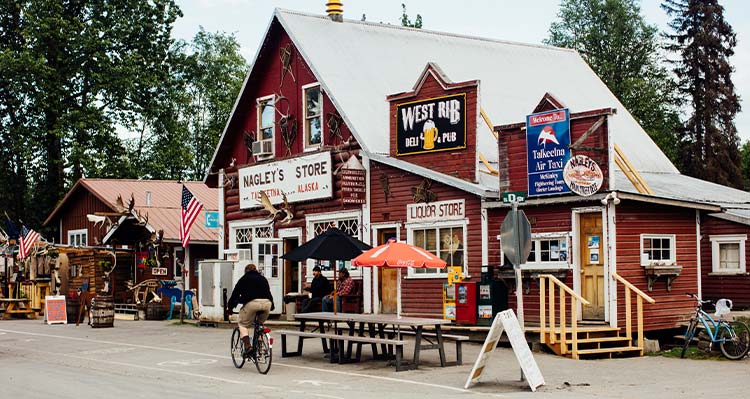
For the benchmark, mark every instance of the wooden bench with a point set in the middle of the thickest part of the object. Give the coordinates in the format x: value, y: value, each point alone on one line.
x: 459, y: 339
x: 337, y: 341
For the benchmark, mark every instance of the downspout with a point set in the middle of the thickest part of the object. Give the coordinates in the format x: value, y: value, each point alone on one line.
x: 698, y: 250
x: 485, y: 237
x: 221, y: 215
x: 612, y: 259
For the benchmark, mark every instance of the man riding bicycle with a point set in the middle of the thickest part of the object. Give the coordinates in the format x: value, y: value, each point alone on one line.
x: 253, y: 292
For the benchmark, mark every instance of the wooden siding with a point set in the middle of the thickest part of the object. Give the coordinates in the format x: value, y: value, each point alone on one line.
x: 735, y: 287
x: 420, y: 296
x: 634, y: 219
x: 73, y: 216
x: 459, y: 163
x: 265, y: 81
x: 513, y: 159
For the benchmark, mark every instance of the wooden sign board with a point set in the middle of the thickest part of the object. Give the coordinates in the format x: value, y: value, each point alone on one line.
x: 507, y: 321
x: 55, y: 311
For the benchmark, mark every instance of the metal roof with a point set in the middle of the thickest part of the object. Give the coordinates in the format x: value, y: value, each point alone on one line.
x: 360, y: 63
x: 164, y: 210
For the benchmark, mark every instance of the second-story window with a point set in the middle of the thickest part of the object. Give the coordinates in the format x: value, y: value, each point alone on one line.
x: 313, y: 106
x: 266, y: 123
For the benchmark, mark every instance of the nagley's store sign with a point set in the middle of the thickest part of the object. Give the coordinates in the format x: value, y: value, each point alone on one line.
x: 301, y: 179
x: 436, y: 211
x: 547, y: 141
x: 435, y: 124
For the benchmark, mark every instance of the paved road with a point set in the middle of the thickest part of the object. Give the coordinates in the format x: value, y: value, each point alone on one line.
x: 149, y: 359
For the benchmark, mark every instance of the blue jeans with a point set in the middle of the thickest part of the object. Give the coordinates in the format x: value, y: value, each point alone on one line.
x: 328, y: 304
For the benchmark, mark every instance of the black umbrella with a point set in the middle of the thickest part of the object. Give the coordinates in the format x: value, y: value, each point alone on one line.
x: 332, y: 245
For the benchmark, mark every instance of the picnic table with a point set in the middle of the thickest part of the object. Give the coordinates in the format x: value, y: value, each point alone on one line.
x: 17, y: 306
x: 373, y: 329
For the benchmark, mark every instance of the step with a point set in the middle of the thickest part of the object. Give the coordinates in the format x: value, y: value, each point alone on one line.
x: 602, y: 339
x: 608, y: 350
x: 581, y: 329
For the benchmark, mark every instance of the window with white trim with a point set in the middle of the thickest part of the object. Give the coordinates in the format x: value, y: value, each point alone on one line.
x: 313, y: 114
x: 445, y: 241
x: 728, y: 253
x: 658, y: 249
x: 548, y: 251
x: 348, y: 222
x: 78, y: 238
x: 266, y: 122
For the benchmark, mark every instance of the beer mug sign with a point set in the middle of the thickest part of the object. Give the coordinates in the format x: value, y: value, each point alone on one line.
x: 429, y: 135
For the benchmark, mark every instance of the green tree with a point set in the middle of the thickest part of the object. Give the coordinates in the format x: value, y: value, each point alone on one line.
x: 73, y: 73
x: 709, y: 142
x: 623, y: 50
x: 406, y: 21
x: 745, y: 165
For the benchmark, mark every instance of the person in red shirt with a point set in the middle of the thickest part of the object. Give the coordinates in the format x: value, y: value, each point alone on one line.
x: 344, y: 286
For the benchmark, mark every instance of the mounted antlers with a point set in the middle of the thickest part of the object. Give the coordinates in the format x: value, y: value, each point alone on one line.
x: 284, y: 215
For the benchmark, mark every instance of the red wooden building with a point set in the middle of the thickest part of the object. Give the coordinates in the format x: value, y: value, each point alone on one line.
x: 433, y: 121
x: 158, y: 204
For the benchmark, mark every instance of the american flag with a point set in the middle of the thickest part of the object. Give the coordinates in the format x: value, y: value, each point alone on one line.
x: 191, y: 207
x: 26, y: 243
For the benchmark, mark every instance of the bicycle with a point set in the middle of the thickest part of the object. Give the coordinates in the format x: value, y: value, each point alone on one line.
x: 733, y: 337
x: 262, y: 348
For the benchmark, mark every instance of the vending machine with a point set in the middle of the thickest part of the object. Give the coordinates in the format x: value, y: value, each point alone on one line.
x: 492, y: 297
x: 449, y: 301
x: 466, y: 303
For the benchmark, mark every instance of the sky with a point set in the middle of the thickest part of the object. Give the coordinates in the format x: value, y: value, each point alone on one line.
x: 514, y: 20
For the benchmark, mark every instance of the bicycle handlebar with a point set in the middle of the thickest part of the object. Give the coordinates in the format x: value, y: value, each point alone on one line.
x: 700, y: 301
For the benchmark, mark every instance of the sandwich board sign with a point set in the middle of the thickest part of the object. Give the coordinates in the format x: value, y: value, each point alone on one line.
x: 507, y: 321
x: 54, y: 309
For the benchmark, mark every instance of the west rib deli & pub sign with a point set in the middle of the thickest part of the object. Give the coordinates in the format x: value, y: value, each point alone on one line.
x: 431, y: 125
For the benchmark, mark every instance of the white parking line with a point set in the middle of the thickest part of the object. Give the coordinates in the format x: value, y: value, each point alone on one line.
x: 327, y: 371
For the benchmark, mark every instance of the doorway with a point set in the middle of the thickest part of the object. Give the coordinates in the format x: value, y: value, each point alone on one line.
x: 387, y: 278
x: 591, y: 246
x: 291, y: 268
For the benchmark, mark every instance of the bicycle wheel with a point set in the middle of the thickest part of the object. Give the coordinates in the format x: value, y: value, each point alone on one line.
x: 237, y: 350
x: 263, y: 355
x: 735, y: 336
x: 689, y: 334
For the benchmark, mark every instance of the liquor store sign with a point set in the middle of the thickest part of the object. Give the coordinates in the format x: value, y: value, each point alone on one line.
x: 300, y: 179
x: 436, y: 211
x: 431, y: 125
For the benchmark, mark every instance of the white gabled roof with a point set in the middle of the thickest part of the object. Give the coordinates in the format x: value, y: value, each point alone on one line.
x: 360, y: 63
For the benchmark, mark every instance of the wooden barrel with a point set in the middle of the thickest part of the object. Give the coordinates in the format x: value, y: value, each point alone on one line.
x: 103, y: 312
x: 155, y: 311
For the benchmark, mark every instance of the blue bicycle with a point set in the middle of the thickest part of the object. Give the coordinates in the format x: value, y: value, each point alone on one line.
x: 732, y: 336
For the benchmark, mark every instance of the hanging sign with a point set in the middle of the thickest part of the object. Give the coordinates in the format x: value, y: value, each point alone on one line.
x: 431, y: 125
x: 55, y: 311
x: 547, y: 141
x: 507, y: 321
x: 212, y: 219
x: 583, y: 175
x: 299, y: 179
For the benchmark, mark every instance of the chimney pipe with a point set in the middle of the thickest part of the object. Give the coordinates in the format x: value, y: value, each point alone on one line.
x: 335, y: 10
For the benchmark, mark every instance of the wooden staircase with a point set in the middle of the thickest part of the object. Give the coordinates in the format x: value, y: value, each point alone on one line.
x: 589, y: 340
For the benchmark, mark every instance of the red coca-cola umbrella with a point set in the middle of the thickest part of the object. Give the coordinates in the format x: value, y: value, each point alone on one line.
x: 399, y: 255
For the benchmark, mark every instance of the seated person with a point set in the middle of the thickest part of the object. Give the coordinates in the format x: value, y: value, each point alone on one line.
x: 319, y: 288
x: 345, y: 287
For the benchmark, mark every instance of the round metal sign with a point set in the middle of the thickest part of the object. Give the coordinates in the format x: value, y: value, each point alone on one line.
x: 515, y: 237
x: 583, y: 175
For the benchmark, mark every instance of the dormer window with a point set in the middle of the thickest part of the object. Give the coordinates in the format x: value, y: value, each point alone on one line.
x: 263, y: 146
x: 313, y: 106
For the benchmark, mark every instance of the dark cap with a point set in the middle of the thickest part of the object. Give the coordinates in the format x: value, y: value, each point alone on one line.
x: 316, y: 268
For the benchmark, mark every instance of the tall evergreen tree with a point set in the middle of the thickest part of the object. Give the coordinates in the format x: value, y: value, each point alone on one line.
x: 709, y: 144
x: 623, y: 50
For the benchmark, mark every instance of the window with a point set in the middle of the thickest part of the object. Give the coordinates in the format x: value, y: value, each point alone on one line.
x: 728, y: 254
x: 348, y: 222
x: 266, y: 123
x: 658, y: 249
x: 446, y: 242
x: 313, y: 108
x: 78, y: 238
x: 548, y: 251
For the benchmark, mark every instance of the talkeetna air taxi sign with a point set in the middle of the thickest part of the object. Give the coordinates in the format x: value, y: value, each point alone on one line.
x: 431, y: 125
x: 547, y: 141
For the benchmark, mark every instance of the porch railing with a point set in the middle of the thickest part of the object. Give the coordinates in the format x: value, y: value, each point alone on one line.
x: 640, y: 296
x: 547, y: 282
